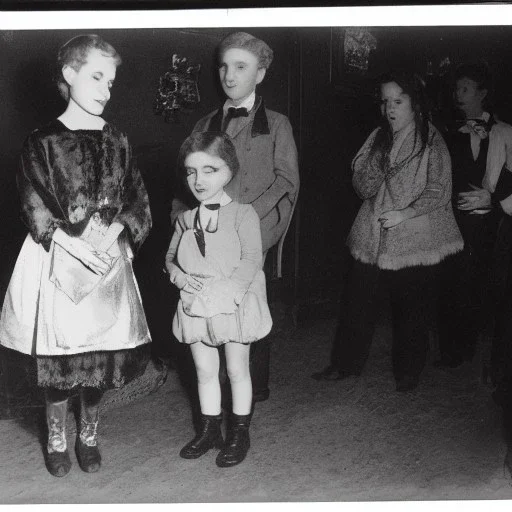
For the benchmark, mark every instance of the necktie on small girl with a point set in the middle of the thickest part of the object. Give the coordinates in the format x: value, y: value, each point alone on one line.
x: 233, y: 113
x: 211, y: 227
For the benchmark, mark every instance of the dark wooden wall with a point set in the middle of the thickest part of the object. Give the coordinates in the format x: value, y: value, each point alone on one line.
x: 337, y: 115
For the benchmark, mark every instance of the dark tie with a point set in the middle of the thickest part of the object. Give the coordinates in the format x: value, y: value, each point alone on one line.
x: 199, y: 234
x: 198, y: 229
x: 232, y: 114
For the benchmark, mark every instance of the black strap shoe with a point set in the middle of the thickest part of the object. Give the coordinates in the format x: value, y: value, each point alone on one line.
x: 208, y: 437
x: 237, y: 442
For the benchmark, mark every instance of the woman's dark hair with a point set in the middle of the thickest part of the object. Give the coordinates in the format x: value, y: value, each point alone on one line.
x: 414, y: 86
x: 480, y: 73
x: 74, y: 54
x: 214, y: 143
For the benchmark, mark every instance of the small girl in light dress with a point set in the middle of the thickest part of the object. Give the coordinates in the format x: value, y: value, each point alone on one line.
x: 215, y: 259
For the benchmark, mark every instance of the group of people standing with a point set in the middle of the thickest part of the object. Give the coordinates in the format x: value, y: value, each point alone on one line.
x: 434, y: 232
x: 73, y: 302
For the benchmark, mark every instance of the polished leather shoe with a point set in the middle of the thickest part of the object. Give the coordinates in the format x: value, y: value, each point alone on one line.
x: 208, y: 437
x: 333, y: 373
x: 407, y: 383
x: 58, y: 463
x: 237, y: 443
x: 89, y: 457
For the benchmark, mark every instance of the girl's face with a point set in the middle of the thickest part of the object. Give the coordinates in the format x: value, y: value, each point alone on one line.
x: 468, y: 97
x: 89, y: 87
x: 239, y: 74
x: 207, y: 175
x: 396, y: 106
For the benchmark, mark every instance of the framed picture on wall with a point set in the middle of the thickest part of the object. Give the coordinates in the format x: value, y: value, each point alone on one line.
x: 350, y: 51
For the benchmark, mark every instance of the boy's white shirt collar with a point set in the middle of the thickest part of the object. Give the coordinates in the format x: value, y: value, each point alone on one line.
x: 248, y: 103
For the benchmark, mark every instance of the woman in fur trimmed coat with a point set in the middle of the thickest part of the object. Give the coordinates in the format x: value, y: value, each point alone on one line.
x: 404, y: 229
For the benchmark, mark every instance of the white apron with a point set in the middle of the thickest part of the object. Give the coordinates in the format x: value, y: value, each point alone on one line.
x: 39, y: 319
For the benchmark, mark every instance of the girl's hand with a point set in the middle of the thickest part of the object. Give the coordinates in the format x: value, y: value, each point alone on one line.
x: 192, y: 285
x: 391, y: 219
x: 111, y: 235
x: 477, y: 198
x: 98, y: 261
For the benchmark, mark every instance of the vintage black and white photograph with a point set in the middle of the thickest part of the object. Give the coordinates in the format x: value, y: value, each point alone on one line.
x: 256, y: 263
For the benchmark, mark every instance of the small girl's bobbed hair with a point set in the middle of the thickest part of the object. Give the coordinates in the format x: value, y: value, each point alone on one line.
x: 214, y: 143
x: 250, y: 43
x: 74, y: 53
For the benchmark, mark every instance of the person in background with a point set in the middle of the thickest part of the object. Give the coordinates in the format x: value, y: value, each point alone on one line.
x: 480, y: 149
x: 404, y: 229
x: 73, y: 300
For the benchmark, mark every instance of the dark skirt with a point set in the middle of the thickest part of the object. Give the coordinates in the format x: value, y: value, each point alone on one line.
x: 102, y: 370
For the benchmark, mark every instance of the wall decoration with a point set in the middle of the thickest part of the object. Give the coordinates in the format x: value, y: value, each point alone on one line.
x: 351, y: 51
x: 358, y: 43
x: 178, y: 90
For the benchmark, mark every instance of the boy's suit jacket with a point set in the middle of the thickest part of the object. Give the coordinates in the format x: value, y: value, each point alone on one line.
x: 269, y: 174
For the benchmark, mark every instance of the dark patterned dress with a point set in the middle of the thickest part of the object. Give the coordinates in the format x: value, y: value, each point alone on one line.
x: 66, y: 179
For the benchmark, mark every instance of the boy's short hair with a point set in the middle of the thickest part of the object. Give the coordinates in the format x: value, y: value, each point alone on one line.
x: 250, y: 43
x: 217, y: 144
x: 74, y: 54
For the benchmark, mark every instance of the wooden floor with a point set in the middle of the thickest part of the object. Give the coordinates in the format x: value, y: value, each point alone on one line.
x: 354, y: 440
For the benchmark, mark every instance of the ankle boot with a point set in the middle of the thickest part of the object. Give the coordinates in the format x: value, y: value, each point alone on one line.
x: 58, y: 462
x: 86, y: 447
x: 209, y: 436
x: 237, y: 442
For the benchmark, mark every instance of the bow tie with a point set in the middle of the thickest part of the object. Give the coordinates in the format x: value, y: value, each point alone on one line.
x: 479, y: 127
x: 234, y: 112
x: 212, y: 206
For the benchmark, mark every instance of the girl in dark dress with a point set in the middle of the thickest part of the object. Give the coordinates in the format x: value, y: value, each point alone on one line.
x: 73, y: 301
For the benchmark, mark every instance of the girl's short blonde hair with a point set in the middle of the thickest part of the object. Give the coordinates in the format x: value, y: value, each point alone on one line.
x: 74, y: 54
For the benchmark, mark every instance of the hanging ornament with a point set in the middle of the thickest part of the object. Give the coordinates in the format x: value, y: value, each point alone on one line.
x: 178, y: 90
